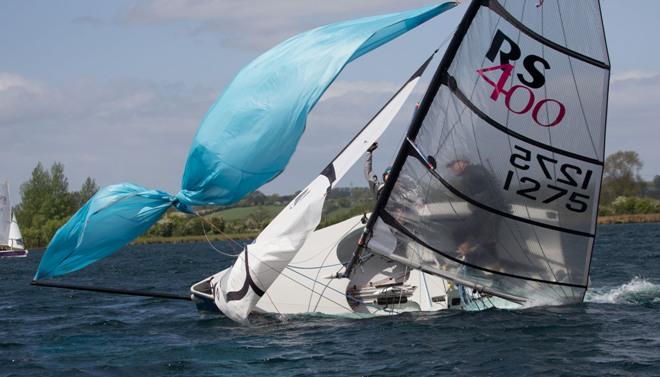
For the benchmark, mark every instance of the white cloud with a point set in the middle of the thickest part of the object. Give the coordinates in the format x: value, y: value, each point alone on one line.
x: 115, y: 131
x: 139, y: 131
x: 343, y: 88
x: 256, y: 23
x: 633, y: 117
x: 638, y: 74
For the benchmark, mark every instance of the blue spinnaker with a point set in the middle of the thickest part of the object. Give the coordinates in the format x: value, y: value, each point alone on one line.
x: 112, y: 218
x: 245, y: 140
x: 250, y: 133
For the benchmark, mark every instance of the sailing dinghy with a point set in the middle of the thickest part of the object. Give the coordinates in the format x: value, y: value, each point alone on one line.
x: 491, y: 201
x: 11, y: 240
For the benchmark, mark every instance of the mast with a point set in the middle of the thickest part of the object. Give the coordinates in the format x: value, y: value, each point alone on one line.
x: 415, y: 125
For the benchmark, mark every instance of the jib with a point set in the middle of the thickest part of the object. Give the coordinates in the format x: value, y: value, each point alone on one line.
x: 510, y: 51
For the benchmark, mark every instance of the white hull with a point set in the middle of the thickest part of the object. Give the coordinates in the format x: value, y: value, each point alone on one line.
x: 13, y: 253
x: 377, y: 287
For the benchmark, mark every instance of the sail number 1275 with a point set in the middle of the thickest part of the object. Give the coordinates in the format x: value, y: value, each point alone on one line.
x: 572, y: 179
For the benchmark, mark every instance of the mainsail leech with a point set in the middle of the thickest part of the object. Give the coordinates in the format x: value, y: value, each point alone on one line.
x: 245, y: 140
x: 499, y: 178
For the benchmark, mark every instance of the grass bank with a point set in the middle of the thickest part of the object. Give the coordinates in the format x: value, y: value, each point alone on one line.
x: 629, y: 219
x: 186, y: 239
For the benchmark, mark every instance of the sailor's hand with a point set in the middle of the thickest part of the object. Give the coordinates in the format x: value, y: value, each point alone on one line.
x: 465, y: 248
x: 373, y: 147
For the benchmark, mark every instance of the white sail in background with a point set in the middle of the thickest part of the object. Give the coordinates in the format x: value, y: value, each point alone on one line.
x: 5, y: 214
x: 15, y: 237
x: 497, y: 184
x: 238, y: 289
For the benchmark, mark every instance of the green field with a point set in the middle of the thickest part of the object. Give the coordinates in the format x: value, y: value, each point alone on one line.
x: 242, y: 213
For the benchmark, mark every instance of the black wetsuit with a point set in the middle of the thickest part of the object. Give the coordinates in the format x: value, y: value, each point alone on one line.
x: 480, y: 228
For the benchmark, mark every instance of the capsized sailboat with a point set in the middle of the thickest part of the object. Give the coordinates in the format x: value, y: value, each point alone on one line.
x: 492, y: 199
x: 289, y: 244
x: 11, y: 240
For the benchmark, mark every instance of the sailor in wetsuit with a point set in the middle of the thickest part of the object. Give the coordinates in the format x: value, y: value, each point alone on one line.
x: 476, y: 235
x: 374, y: 185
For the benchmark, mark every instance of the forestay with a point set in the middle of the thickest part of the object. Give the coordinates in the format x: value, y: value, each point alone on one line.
x: 238, y: 289
x: 497, y: 185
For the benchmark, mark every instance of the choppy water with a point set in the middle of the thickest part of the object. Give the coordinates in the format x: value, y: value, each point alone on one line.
x: 54, y: 332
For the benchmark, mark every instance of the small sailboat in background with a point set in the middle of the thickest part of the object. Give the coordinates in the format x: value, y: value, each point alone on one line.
x: 11, y: 240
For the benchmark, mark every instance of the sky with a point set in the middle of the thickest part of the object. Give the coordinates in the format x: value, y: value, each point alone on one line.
x: 115, y: 90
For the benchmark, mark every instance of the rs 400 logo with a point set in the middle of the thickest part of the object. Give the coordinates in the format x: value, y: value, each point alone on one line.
x: 531, y: 78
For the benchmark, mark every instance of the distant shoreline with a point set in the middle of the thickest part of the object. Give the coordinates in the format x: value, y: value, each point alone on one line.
x: 187, y: 239
x: 602, y: 220
x: 629, y: 219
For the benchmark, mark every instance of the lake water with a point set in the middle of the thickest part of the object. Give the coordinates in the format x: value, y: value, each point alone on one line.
x: 56, y: 332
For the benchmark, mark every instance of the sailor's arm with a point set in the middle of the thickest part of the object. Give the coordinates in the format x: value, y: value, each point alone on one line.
x: 368, y: 170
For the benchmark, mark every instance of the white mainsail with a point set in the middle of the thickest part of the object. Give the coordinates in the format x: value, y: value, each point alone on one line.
x: 15, y: 237
x: 497, y: 184
x: 238, y: 289
x: 5, y: 215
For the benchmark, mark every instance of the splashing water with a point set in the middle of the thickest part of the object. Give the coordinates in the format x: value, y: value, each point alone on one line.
x: 637, y: 291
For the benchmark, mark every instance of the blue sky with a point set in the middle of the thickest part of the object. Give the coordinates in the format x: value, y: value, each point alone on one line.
x: 115, y: 90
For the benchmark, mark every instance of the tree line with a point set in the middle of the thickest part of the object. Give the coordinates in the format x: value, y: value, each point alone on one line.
x: 624, y: 192
x: 46, y: 203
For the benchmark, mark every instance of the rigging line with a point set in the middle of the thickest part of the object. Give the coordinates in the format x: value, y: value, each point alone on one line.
x: 327, y: 253
x: 252, y: 255
x: 216, y: 249
x: 281, y: 273
x: 255, y: 277
x: 220, y: 231
x: 577, y: 90
x: 327, y: 250
x: 316, y: 267
x: 327, y: 286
